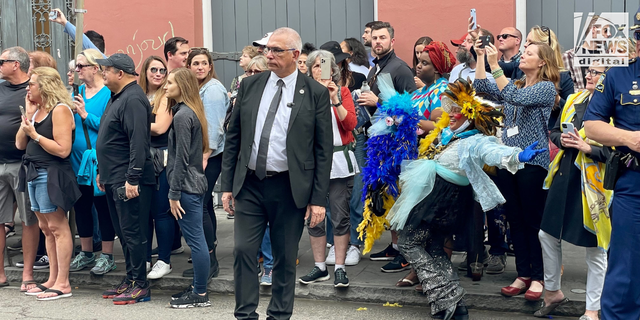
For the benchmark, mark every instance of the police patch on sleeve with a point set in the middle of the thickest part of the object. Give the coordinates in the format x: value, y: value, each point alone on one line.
x: 600, y: 84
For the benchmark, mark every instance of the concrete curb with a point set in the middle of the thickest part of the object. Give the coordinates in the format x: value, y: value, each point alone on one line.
x: 321, y: 291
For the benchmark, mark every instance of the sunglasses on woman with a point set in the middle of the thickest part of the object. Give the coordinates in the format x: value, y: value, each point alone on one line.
x: 548, y: 32
x: 155, y: 70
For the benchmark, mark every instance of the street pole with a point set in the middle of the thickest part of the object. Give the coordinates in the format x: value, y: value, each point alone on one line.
x: 79, y: 12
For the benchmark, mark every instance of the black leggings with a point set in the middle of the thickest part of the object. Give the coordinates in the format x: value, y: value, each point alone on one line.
x: 84, y: 217
x: 210, y: 224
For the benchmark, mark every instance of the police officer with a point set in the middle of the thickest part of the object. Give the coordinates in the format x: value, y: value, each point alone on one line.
x: 617, y: 96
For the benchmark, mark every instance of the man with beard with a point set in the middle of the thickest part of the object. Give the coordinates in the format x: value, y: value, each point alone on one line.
x: 366, y: 39
x: 467, y: 67
x: 386, y: 61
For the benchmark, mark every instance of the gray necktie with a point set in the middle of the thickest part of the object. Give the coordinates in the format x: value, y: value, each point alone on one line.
x: 261, y: 161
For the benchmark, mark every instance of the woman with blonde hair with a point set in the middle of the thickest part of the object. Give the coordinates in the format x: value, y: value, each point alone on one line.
x: 565, y: 86
x: 153, y: 78
x: 216, y: 102
x: 188, y: 142
x: 46, y: 133
x: 527, y: 104
x: 89, y: 105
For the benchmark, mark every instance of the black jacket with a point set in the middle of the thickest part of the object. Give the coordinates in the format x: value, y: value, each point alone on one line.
x: 562, y: 217
x: 123, y: 141
x: 400, y: 73
x: 309, y: 139
x: 184, y: 163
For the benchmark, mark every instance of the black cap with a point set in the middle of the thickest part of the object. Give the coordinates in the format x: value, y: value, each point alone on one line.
x: 334, y: 47
x: 120, y: 61
x: 636, y: 21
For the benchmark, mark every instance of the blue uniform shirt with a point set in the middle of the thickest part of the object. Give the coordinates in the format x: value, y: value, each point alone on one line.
x: 615, y: 97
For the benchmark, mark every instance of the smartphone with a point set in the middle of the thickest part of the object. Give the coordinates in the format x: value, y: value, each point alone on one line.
x: 473, y: 16
x: 24, y: 114
x: 485, y: 41
x: 53, y: 14
x: 122, y: 193
x: 325, y: 67
x: 76, y: 90
x: 567, y: 127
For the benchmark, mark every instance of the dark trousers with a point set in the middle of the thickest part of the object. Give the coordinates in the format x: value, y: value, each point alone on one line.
x: 496, y: 230
x: 130, y: 220
x: 212, y: 172
x: 191, y: 226
x: 84, y: 214
x: 261, y: 201
x: 621, y: 292
x: 525, y: 204
x: 162, y: 219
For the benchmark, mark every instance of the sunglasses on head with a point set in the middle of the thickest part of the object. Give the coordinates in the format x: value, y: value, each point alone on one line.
x: 156, y: 70
x: 548, y: 32
x: 505, y: 36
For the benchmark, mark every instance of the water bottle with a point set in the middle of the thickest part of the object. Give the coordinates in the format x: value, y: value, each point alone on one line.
x: 365, y: 87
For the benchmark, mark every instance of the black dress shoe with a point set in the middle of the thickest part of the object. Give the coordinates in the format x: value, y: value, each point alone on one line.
x: 461, y: 313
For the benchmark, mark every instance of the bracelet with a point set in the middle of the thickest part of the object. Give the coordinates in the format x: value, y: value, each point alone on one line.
x: 497, y: 73
x: 337, y: 104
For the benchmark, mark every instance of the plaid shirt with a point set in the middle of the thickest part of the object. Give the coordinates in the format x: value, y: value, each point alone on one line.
x: 575, y: 71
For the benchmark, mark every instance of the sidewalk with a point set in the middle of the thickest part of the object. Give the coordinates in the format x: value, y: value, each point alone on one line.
x: 367, y: 282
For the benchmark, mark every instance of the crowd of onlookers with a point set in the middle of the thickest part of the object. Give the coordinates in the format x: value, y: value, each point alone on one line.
x: 133, y: 153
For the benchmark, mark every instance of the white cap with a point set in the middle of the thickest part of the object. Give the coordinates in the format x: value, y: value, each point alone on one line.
x: 263, y: 41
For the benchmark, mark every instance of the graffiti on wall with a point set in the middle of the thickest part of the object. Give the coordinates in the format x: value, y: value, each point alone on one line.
x: 138, y: 50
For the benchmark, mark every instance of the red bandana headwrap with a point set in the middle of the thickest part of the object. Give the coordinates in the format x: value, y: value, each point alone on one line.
x: 441, y: 58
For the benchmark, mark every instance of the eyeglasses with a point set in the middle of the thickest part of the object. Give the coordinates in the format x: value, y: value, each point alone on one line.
x: 594, y: 73
x: 548, y: 32
x: 162, y: 71
x: 2, y: 61
x: 81, y: 66
x: 275, y: 51
x: 505, y: 36
x: 252, y: 72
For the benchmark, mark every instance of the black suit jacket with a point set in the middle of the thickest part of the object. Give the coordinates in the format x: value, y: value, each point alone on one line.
x: 309, y: 139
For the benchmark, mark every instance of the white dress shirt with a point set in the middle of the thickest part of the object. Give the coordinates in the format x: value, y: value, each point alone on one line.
x: 277, y: 153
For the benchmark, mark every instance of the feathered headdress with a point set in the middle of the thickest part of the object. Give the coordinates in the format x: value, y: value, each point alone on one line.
x: 484, y: 114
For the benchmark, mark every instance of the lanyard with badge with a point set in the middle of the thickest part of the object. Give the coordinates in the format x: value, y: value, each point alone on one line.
x: 513, y: 130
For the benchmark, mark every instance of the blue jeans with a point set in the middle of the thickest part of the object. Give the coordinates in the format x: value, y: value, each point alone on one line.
x: 39, y: 194
x: 164, y: 221
x: 265, y: 249
x: 193, y: 232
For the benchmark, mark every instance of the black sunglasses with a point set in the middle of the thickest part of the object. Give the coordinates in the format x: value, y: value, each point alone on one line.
x: 81, y: 66
x: 162, y: 71
x: 2, y: 61
x: 548, y: 32
x: 505, y: 36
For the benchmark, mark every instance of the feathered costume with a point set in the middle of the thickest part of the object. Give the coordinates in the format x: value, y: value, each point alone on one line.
x: 392, y: 139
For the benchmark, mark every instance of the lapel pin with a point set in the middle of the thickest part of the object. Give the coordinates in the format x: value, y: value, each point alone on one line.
x: 301, y: 91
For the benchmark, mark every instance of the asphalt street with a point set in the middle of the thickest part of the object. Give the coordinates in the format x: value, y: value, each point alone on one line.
x: 87, y: 303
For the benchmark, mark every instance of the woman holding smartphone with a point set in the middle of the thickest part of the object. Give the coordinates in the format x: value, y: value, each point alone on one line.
x: 46, y: 133
x: 188, y: 141
x: 570, y: 188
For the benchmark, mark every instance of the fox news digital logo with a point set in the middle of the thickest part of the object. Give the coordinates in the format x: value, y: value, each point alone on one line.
x: 601, y: 39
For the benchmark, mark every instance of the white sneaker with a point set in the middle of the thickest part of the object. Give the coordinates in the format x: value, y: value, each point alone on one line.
x: 353, y: 256
x: 331, y: 257
x: 160, y: 269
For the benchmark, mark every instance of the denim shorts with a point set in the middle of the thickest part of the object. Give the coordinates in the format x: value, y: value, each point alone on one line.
x: 39, y: 195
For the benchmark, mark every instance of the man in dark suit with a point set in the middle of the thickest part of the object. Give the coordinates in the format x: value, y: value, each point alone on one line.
x: 276, y: 169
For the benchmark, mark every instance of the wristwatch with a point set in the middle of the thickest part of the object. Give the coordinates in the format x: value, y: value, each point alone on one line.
x: 37, y: 139
x: 337, y: 104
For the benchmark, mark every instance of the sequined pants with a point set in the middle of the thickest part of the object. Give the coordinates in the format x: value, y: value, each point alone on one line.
x: 422, y: 246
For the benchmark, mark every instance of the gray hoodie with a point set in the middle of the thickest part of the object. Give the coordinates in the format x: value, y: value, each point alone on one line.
x: 184, y: 163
